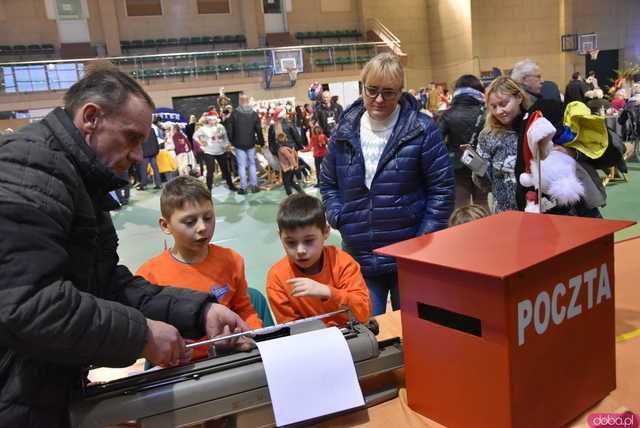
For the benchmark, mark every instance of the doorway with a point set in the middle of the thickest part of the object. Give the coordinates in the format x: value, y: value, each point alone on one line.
x: 274, y: 16
x: 604, y: 66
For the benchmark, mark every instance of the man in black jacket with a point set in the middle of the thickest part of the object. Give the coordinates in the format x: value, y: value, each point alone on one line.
x: 575, y: 89
x: 245, y: 131
x: 65, y: 302
x: 461, y: 124
x: 328, y: 114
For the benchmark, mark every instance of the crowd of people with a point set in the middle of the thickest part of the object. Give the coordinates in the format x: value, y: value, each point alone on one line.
x: 251, y: 142
x: 386, y: 172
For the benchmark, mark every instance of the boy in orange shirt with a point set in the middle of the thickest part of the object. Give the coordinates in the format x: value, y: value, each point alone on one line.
x: 188, y: 215
x: 313, y: 278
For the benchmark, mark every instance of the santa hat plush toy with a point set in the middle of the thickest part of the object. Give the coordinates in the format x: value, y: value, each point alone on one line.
x: 558, y: 179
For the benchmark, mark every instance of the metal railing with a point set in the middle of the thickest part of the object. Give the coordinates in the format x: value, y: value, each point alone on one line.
x: 54, y: 75
x: 374, y: 24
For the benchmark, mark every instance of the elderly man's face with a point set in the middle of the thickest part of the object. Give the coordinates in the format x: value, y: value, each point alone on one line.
x: 534, y: 81
x: 326, y: 98
x: 117, y: 138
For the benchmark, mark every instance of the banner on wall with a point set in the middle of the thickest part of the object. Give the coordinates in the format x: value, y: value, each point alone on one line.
x: 170, y: 115
x: 69, y: 10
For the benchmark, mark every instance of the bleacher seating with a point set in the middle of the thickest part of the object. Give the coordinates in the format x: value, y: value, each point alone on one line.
x: 321, y: 35
x: 187, y: 57
x: 24, y: 50
x: 208, y: 42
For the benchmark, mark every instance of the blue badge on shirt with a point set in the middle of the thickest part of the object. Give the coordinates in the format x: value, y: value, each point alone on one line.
x: 218, y: 292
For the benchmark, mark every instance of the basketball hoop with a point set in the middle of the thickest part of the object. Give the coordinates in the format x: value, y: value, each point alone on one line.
x: 593, y: 53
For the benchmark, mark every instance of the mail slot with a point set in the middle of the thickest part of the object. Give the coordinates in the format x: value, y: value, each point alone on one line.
x: 508, y: 321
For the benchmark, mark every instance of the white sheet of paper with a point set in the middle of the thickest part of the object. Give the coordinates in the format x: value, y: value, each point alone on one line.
x: 310, y: 375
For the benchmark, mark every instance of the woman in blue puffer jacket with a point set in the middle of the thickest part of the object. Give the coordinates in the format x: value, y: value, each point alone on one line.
x: 386, y: 177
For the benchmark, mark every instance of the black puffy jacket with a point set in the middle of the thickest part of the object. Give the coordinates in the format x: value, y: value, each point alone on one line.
x: 575, y: 91
x: 458, y: 123
x: 65, y: 303
x: 244, y: 129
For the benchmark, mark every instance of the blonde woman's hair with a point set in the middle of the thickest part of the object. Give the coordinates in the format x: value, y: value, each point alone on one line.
x: 505, y: 86
x: 467, y: 213
x: 383, y: 66
x: 277, y: 127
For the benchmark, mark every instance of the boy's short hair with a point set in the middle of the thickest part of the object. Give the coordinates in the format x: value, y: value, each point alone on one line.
x: 301, y: 210
x: 181, y: 190
x: 467, y: 213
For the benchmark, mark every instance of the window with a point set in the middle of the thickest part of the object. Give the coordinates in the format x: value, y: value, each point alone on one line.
x: 37, y: 77
x: 143, y: 7
x: 213, y: 6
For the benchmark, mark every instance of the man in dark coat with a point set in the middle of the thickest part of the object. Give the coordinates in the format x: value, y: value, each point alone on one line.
x: 245, y: 131
x: 65, y: 302
x: 328, y: 114
x: 575, y: 89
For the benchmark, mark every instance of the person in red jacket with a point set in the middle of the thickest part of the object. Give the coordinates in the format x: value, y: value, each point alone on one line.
x: 313, y: 279
x: 318, y: 144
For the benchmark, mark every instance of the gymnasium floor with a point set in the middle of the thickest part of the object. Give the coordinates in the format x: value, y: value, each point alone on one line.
x: 247, y: 223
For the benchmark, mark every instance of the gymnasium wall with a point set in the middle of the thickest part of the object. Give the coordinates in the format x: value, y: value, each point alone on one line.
x: 408, y: 20
x: 451, y: 39
x: 25, y: 22
x: 617, y: 23
x: 179, y: 19
x: 323, y: 15
x: 443, y: 38
x: 505, y: 32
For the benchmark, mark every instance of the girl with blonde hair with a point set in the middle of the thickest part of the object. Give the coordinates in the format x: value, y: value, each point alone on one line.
x: 498, y: 141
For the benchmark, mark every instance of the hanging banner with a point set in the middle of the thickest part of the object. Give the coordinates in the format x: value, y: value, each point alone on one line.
x: 170, y: 115
x: 69, y: 10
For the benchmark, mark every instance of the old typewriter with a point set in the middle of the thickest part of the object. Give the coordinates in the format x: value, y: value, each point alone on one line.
x: 231, y: 387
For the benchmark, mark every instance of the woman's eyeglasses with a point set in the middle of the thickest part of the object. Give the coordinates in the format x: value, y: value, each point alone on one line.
x: 387, y: 94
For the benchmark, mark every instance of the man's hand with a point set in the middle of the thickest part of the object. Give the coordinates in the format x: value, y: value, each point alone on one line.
x: 222, y: 321
x: 164, y: 346
x: 301, y: 287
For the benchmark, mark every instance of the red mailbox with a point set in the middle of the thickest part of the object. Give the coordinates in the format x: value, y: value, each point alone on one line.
x: 508, y: 321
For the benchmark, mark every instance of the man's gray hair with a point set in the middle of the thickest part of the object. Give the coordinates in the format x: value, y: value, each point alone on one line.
x: 105, y: 86
x: 522, y: 69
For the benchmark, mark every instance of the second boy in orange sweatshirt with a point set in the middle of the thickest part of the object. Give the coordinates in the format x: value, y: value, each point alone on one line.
x: 313, y: 279
x: 188, y: 215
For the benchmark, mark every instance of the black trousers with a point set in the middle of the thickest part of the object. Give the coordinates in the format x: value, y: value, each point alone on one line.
x: 223, y: 162
x: 289, y: 180
x: 200, y: 161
